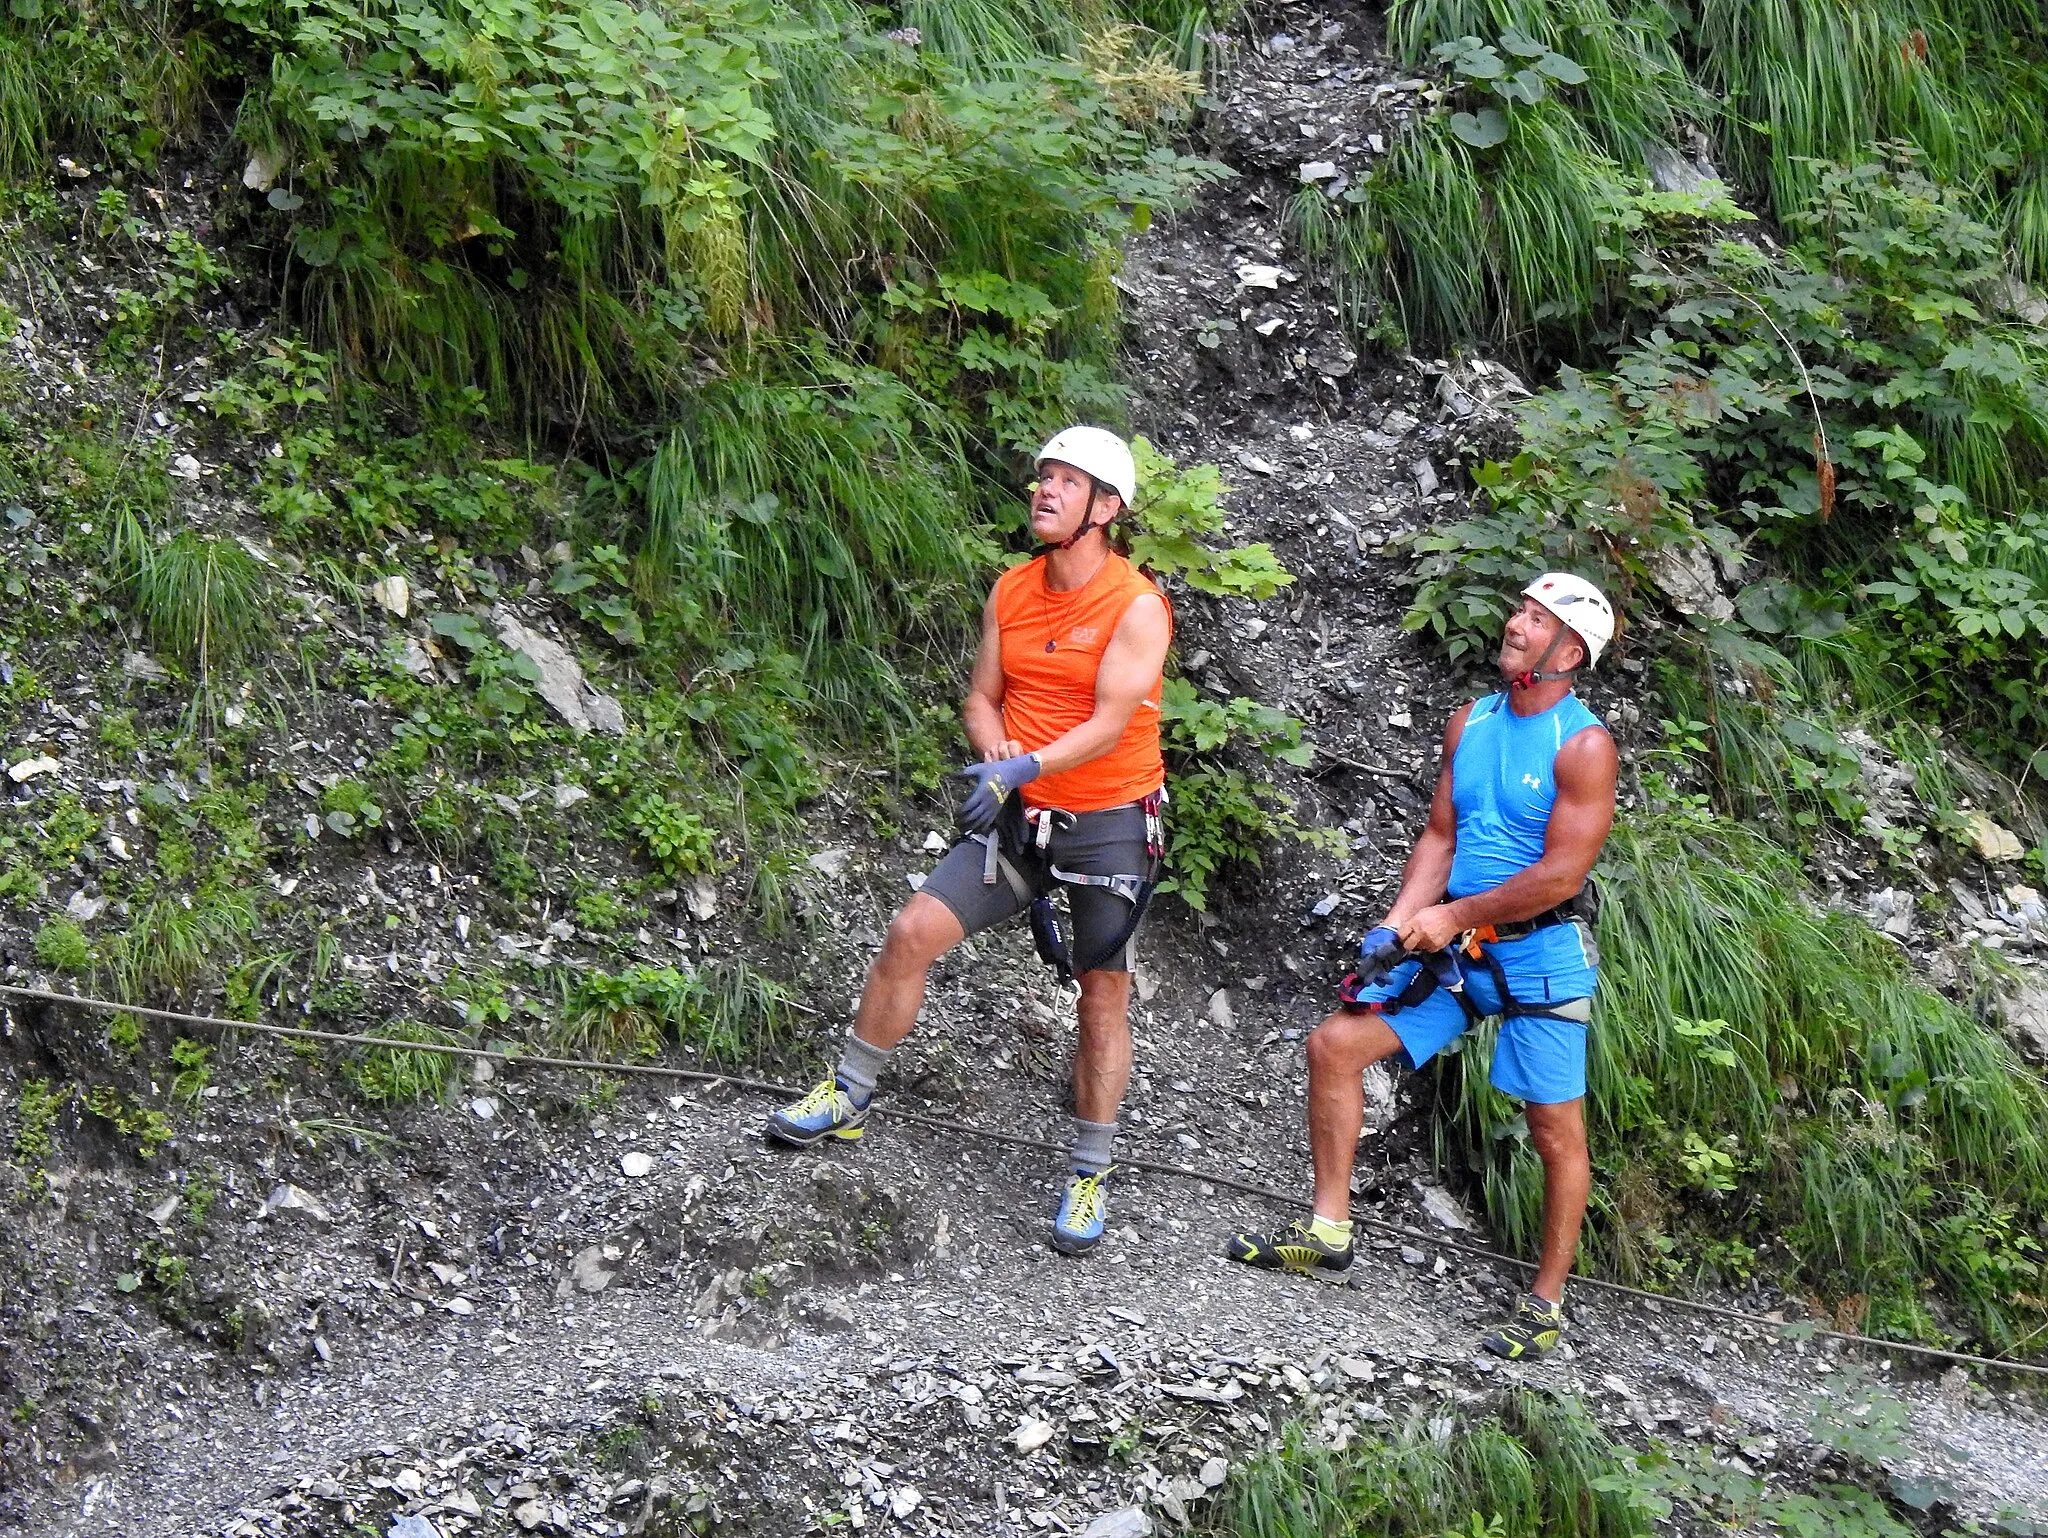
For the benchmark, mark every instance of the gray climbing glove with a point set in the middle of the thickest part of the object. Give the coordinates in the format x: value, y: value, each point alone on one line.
x: 983, y: 788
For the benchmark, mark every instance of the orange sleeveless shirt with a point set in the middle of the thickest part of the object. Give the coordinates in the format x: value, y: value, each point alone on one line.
x: 1048, y: 693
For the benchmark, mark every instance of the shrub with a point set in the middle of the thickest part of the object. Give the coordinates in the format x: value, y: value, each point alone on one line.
x: 676, y: 841
x: 63, y: 945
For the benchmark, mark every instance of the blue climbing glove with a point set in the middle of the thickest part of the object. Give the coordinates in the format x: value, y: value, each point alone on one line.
x: 985, y: 787
x: 1378, y: 954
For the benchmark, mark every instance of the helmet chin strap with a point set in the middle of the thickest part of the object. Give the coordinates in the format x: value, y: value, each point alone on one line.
x: 1536, y: 675
x: 1088, y: 524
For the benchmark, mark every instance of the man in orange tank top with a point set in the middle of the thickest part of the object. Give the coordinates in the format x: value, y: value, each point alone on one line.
x: 1063, y: 707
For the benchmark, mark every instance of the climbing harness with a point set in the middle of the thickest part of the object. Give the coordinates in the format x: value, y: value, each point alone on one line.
x: 1217, y: 1178
x: 1136, y: 890
x: 1443, y: 969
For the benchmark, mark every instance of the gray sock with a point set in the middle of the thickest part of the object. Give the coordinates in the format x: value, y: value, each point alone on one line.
x: 1094, y: 1145
x: 859, y: 1066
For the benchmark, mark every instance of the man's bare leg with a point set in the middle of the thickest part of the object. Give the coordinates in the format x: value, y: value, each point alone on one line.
x: 1339, y: 1052
x: 1102, y: 1056
x: 1559, y: 1133
x: 922, y: 931
x: 1102, y: 1072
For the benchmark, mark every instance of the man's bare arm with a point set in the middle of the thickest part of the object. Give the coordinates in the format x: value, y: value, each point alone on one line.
x: 982, y: 711
x: 1129, y: 671
x: 1580, y: 819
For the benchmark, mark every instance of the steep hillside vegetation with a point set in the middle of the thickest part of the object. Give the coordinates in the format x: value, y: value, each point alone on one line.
x: 493, y: 499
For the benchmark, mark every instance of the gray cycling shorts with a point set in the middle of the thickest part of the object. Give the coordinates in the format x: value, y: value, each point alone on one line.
x: 1106, y: 843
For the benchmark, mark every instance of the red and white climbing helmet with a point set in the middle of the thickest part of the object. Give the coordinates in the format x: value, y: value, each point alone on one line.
x: 1580, y: 605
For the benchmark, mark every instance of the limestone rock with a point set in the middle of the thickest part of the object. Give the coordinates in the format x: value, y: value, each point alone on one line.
x: 562, y: 684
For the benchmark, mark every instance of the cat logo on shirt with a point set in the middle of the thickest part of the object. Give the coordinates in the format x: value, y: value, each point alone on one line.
x: 1532, y: 782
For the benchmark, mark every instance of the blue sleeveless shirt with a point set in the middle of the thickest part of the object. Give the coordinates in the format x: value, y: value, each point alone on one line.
x: 1503, y: 787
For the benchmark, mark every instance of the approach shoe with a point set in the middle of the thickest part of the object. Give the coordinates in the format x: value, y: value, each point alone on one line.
x: 1084, y: 1210
x: 827, y: 1111
x: 1295, y: 1248
x: 1537, y: 1325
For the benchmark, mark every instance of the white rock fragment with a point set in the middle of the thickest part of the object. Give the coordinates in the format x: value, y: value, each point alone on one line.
x: 84, y: 909
x: 29, y: 768
x: 701, y: 898
x: 1992, y: 842
x: 936, y: 842
x: 1220, y: 1012
x: 566, y: 796
x: 483, y: 1108
x: 290, y: 1198
x: 393, y: 595
x: 831, y: 862
x: 185, y: 467
x: 1443, y: 1208
x: 1259, y: 275
x: 635, y: 1165
x: 562, y: 684
x: 1255, y: 464
x: 904, y: 1501
x: 1318, y: 170
x: 1031, y: 1435
x: 260, y: 175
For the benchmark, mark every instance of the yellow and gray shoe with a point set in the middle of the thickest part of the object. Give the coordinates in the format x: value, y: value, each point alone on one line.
x: 827, y: 1111
x: 1298, y: 1247
x: 1537, y: 1325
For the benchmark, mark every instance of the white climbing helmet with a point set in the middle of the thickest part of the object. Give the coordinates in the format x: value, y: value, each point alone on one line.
x: 1098, y: 452
x: 1580, y: 605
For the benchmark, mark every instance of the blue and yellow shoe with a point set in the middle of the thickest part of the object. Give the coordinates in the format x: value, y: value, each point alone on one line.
x: 1083, y: 1212
x: 827, y: 1111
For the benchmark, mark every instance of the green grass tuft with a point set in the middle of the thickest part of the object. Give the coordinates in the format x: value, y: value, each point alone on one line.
x: 1539, y: 1468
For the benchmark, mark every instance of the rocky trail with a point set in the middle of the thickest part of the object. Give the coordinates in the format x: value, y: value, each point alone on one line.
x: 545, y: 1308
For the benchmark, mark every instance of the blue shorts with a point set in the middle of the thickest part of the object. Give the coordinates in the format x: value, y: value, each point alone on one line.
x: 1535, y: 1059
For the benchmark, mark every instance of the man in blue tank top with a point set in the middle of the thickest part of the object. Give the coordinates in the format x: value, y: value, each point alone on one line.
x: 1488, y: 921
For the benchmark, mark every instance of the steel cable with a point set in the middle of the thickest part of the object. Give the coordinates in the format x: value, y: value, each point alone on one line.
x: 1014, y: 1140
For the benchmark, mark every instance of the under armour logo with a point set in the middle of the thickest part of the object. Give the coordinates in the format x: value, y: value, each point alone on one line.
x: 1532, y: 782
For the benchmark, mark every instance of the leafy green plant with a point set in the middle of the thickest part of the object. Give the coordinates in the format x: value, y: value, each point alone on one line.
x: 1220, y: 817
x: 350, y: 808
x: 628, y: 1015
x: 172, y: 940
x: 150, y: 1128
x: 63, y: 945
x: 40, y: 1103
x: 1176, y: 509
x: 204, y: 601
x: 190, y: 1058
x: 677, y: 841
